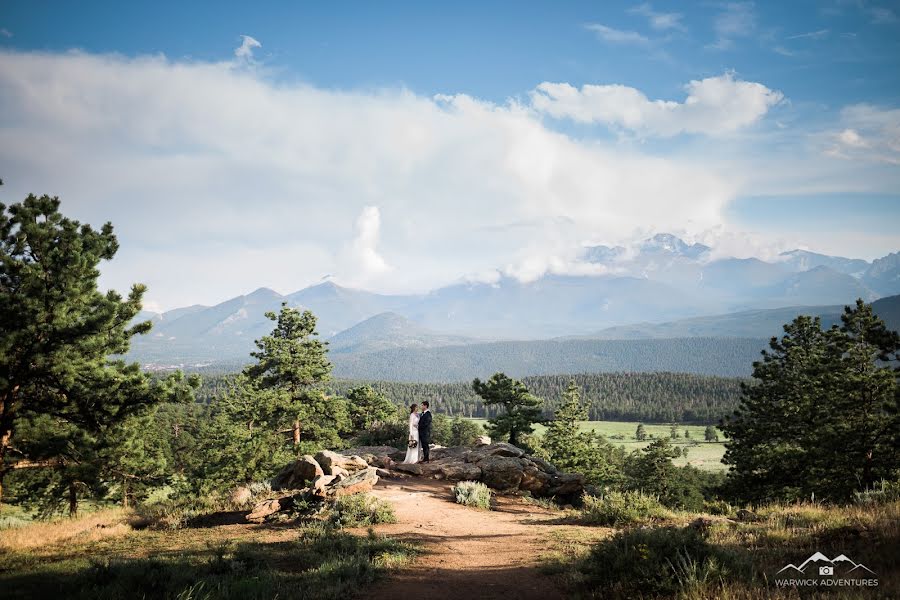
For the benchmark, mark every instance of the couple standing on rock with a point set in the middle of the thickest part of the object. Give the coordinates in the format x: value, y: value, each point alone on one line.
x: 419, y: 434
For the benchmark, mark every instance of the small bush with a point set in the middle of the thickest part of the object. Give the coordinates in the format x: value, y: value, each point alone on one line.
x: 622, y: 508
x: 881, y: 493
x: 361, y: 510
x: 177, y: 513
x: 718, y: 507
x: 473, y: 493
x: 666, y: 561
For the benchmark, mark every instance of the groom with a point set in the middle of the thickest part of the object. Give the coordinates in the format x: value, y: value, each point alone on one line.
x: 425, y: 431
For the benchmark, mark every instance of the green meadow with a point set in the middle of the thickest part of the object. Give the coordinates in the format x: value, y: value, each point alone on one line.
x: 701, y: 454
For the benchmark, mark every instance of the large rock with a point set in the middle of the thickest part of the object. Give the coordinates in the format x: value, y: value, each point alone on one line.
x: 360, y: 481
x: 501, y: 466
x: 297, y: 474
x: 328, y: 459
x: 460, y: 471
x: 502, y: 473
x: 483, y: 440
x: 267, y: 508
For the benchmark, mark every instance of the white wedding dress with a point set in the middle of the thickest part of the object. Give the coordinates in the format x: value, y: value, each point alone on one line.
x: 412, y: 454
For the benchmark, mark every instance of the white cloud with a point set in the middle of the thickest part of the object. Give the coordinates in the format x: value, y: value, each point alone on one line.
x: 245, y: 50
x: 869, y: 133
x: 735, y: 20
x: 660, y: 21
x: 360, y: 262
x: 617, y: 36
x: 810, y: 35
x: 714, y: 106
x: 205, y: 169
x: 5, y: 33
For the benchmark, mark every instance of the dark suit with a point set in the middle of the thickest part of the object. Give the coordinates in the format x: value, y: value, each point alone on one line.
x: 425, y: 433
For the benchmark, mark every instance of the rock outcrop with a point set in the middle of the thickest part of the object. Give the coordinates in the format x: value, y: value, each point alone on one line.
x: 328, y: 475
x: 501, y: 466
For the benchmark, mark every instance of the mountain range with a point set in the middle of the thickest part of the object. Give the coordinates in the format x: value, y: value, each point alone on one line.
x: 663, y: 288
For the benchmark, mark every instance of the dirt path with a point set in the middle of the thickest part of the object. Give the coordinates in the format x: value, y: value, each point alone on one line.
x: 469, y: 553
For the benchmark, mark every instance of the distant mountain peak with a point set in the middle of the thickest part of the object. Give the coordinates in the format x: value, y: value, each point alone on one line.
x: 667, y: 243
x: 263, y: 292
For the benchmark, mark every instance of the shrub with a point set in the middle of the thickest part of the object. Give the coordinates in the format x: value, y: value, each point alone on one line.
x: 718, y: 507
x: 361, y: 510
x: 472, y: 493
x: 880, y: 493
x: 622, y: 508
x: 667, y: 561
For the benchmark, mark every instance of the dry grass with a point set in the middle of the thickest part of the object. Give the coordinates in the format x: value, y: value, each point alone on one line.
x: 88, y: 528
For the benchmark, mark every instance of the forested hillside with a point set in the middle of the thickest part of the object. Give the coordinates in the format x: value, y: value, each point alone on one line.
x: 651, y: 397
x: 724, y: 357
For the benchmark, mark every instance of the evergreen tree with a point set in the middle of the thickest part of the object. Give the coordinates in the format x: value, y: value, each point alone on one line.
x: 464, y: 432
x: 292, y: 365
x: 521, y: 408
x: 573, y: 450
x: 710, y: 435
x: 640, y: 433
x: 368, y: 408
x: 57, y: 335
x: 821, y: 415
x: 673, y: 431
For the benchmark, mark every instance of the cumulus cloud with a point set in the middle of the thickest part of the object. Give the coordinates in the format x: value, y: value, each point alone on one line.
x: 267, y: 185
x: 360, y: 262
x: 245, y: 50
x: 714, y: 106
x: 870, y: 133
x: 617, y: 36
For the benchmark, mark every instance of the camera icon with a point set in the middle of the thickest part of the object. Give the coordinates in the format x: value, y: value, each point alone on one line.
x: 826, y: 570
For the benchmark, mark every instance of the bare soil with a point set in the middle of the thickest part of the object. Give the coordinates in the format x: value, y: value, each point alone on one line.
x: 468, y: 553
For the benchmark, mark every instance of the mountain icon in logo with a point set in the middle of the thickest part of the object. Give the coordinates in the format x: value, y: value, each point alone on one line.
x: 843, y: 562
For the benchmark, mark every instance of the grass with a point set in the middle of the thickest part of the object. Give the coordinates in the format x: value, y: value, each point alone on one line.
x: 70, y: 559
x: 622, y: 508
x: 472, y: 493
x: 361, y: 510
x: 676, y: 557
x: 706, y: 456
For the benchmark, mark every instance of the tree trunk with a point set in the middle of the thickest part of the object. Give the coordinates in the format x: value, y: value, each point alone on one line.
x: 73, y: 501
x: 124, y: 492
x: 296, y: 431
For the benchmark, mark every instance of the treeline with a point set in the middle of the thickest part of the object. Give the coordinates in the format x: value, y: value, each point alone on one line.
x: 650, y: 397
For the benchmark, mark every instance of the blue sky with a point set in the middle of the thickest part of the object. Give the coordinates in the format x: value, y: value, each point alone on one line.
x: 544, y: 118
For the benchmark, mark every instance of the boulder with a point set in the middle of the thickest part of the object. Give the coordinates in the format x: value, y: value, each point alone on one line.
x: 566, y: 484
x: 340, y: 471
x: 360, y: 481
x: 534, y: 480
x: 320, y: 484
x: 460, y: 471
x: 483, y: 440
x: 499, y: 449
x: 502, y: 473
x: 328, y: 459
x: 266, y: 508
x: 297, y: 474
x: 415, y: 469
x: 747, y: 516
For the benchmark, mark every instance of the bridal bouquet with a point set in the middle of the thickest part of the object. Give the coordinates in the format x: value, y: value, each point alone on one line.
x: 413, y: 444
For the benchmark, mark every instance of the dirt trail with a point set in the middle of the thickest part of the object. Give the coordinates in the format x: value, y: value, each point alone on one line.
x: 469, y: 553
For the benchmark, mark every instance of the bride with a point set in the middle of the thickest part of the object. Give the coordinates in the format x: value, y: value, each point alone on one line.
x: 412, y: 452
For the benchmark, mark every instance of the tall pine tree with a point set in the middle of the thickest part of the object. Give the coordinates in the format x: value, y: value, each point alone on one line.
x: 58, y: 334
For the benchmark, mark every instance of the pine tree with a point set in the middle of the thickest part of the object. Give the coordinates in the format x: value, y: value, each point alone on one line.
x: 821, y: 415
x: 368, y: 408
x: 292, y: 365
x: 521, y: 408
x: 571, y: 449
x: 710, y: 435
x: 640, y: 434
x: 57, y: 335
